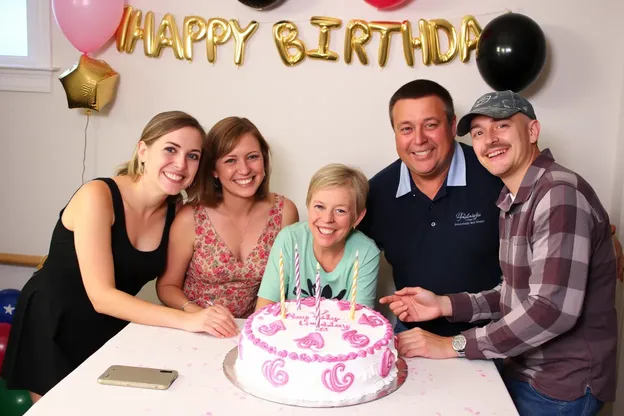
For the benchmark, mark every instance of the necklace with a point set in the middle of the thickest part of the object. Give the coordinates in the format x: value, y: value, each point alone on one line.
x: 241, y: 234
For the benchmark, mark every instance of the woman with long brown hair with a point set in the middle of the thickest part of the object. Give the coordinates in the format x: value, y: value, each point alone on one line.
x: 110, y: 239
x: 220, y: 245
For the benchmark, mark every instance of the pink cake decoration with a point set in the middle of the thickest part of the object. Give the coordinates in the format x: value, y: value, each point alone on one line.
x: 272, y: 328
x: 271, y: 372
x: 309, y: 301
x: 356, y: 340
x: 345, y: 305
x: 332, y: 381
x: 312, y: 341
x: 274, y: 309
x: 370, y: 320
x: 387, y: 360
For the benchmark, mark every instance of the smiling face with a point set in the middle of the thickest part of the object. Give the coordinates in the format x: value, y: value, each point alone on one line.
x: 241, y: 171
x: 506, y: 147
x: 331, y: 216
x: 423, y: 135
x: 171, y: 162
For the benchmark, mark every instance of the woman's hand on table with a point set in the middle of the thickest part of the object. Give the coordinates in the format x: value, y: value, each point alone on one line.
x: 216, y: 320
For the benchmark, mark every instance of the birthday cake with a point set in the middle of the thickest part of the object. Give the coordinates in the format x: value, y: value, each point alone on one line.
x: 302, y: 358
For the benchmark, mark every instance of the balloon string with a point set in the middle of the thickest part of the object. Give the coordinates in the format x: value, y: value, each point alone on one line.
x: 84, y: 152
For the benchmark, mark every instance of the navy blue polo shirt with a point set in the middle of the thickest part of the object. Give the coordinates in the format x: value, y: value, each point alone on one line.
x: 446, y: 245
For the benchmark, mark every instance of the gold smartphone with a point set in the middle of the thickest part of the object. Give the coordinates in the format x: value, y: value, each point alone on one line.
x: 141, y: 377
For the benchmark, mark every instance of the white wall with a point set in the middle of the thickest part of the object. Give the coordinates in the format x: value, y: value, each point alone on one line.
x: 312, y: 114
x: 14, y: 277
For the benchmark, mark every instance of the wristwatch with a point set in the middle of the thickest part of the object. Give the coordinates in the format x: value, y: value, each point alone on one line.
x: 459, y: 345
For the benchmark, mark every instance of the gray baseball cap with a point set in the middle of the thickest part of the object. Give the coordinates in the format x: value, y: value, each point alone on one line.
x: 498, y: 105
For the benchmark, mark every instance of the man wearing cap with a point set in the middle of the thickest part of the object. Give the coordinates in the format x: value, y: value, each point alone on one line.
x: 433, y: 210
x: 553, y: 314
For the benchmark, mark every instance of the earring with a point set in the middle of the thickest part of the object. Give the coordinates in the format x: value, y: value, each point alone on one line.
x: 216, y: 182
x: 142, y: 168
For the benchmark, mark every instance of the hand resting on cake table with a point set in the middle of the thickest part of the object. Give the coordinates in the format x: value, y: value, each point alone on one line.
x: 415, y: 304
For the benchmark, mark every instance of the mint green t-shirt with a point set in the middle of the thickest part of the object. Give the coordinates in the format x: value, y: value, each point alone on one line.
x: 334, y: 285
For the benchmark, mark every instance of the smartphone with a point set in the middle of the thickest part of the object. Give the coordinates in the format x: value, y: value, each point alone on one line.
x: 141, y: 377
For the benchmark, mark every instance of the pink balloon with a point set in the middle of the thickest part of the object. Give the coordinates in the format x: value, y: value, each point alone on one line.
x: 88, y: 24
x: 384, y: 4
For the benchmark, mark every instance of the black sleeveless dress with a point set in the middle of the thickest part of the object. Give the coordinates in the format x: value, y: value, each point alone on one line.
x: 55, y: 327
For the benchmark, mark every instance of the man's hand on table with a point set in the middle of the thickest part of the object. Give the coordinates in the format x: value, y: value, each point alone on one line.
x: 417, y: 342
x: 415, y: 304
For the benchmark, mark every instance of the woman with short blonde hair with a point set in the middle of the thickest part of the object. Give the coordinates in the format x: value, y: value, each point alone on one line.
x: 337, y: 175
x: 328, y: 240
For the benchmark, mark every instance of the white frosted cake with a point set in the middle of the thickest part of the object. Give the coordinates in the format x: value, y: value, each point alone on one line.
x: 345, y: 359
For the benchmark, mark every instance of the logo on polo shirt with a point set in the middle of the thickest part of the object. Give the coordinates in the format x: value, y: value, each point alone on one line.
x: 464, y: 218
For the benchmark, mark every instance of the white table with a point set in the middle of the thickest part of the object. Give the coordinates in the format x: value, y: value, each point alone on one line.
x: 433, y: 387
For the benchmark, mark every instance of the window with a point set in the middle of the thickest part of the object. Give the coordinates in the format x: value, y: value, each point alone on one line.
x: 25, y: 63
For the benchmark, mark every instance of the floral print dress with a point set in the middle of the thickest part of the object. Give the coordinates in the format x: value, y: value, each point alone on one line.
x: 215, y: 274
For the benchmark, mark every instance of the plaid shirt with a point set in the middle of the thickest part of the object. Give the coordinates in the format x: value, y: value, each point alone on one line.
x: 554, y: 311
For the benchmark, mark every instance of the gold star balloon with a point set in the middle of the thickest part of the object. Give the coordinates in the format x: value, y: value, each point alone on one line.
x: 89, y: 84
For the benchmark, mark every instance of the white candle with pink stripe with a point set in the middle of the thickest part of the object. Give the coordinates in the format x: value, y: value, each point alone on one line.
x: 297, y: 277
x: 318, y: 296
x: 282, y: 287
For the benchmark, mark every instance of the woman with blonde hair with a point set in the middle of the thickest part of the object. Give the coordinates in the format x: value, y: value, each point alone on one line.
x: 220, y: 245
x: 110, y: 239
x: 336, y: 202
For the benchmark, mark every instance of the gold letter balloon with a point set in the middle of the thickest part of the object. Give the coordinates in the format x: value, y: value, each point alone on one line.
x: 469, y: 26
x: 437, y: 56
x: 194, y: 31
x: 286, y: 36
x: 218, y: 31
x: 386, y: 29
x: 241, y: 37
x: 357, y: 35
x: 430, y: 36
x: 326, y: 24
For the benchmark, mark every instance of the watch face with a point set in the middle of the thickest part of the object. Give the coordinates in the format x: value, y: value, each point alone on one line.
x: 459, y: 343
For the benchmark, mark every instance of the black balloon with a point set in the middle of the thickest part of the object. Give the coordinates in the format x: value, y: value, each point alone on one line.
x: 261, y: 4
x: 511, y: 52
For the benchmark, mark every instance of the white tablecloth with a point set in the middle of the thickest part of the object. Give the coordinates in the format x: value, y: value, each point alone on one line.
x: 454, y: 387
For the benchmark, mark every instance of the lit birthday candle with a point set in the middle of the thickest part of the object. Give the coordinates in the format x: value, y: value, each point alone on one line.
x: 356, y: 266
x: 297, y: 278
x: 282, y: 291
x: 318, y: 296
